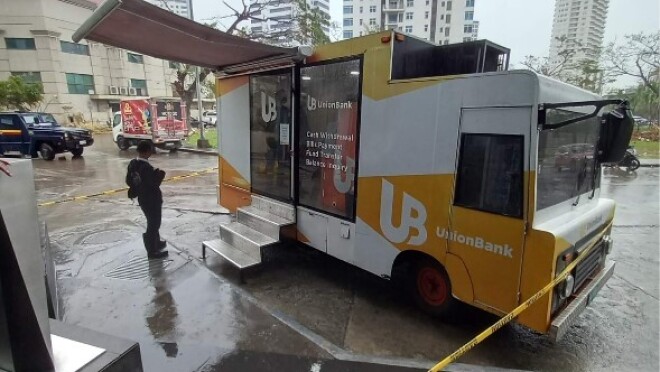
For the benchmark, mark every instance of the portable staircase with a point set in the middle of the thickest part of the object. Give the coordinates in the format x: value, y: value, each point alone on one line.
x: 261, y: 224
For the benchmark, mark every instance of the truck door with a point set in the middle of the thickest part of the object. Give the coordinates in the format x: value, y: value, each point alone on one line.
x: 11, y: 133
x: 488, y: 213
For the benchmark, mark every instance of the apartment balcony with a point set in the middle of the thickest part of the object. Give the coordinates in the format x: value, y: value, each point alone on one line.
x: 390, y: 7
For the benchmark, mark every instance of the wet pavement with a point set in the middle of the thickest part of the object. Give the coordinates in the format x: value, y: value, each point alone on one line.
x: 303, y: 310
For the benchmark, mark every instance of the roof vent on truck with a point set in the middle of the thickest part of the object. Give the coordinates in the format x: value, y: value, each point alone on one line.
x: 414, y: 58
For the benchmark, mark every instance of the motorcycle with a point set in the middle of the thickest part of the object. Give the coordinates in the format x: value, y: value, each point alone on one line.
x: 630, y: 160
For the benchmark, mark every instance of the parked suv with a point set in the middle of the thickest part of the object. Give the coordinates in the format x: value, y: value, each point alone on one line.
x: 38, y: 133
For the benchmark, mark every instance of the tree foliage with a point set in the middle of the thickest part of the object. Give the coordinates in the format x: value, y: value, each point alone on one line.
x: 637, y: 56
x: 16, y: 94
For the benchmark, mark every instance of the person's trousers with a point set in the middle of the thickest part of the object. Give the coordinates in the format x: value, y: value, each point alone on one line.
x: 153, y: 213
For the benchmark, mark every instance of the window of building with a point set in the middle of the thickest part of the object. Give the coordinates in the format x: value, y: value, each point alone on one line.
x: 29, y: 77
x: 442, y: 4
x: 409, y: 29
x: 348, y: 34
x: 348, y: 9
x: 448, y: 5
x: 469, y: 3
x: 394, y: 4
x: 466, y: 39
x: 175, y: 65
x: 427, y: 2
x: 426, y: 28
x: 426, y: 15
x: 73, y: 48
x: 469, y: 15
x: 467, y: 29
x: 79, y: 84
x: 441, y: 29
x: 442, y: 16
x: 140, y: 86
x: 409, y: 15
x: 360, y: 33
x: 361, y: 9
x: 372, y: 9
x: 372, y: 21
x: 392, y: 18
x: 360, y: 21
x: 135, y: 58
x: 446, y: 31
x: 448, y: 18
x: 19, y: 43
x: 410, y: 3
x: 348, y: 22
x: 490, y: 175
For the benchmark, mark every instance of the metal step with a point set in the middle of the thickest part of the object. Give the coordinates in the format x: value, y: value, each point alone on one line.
x: 235, y: 256
x: 262, y: 221
x: 274, y: 207
x: 245, y: 238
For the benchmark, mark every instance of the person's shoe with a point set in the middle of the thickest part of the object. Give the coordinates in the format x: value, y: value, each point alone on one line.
x: 156, y: 255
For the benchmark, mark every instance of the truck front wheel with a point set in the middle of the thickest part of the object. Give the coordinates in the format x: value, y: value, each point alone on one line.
x: 77, y: 151
x: 46, y: 151
x: 123, y: 143
x: 430, y: 288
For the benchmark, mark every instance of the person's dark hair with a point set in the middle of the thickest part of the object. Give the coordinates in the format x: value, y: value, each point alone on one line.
x: 144, y: 147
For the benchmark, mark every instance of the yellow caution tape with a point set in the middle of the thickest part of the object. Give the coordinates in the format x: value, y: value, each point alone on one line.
x: 515, y: 312
x: 115, y: 191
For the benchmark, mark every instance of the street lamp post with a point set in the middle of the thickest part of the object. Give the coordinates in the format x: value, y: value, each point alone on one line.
x: 202, y: 143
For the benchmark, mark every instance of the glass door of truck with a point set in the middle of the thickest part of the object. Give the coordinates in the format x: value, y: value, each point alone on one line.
x: 270, y: 134
x: 488, y: 213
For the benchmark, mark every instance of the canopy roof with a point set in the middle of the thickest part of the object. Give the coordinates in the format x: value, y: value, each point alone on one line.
x: 145, y: 28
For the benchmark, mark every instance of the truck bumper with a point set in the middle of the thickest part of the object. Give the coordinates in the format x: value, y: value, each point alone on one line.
x: 77, y: 143
x: 567, y: 317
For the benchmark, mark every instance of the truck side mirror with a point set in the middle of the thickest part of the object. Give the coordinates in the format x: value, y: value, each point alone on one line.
x: 615, y: 133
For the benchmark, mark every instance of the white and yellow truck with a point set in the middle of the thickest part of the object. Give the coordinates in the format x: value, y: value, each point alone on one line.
x: 432, y: 165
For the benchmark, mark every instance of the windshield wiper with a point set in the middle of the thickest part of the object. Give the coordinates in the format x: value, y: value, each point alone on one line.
x: 580, y: 180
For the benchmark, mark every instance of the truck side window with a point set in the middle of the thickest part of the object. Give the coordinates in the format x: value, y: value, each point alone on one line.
x: 116, y: 120
x: 7, y: 122
x: 490, y: 173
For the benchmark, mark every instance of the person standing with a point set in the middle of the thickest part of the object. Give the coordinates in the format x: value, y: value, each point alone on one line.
x: 144, y: 183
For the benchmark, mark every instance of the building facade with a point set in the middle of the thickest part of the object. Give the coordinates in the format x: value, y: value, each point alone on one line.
x: 441, y: 22
x: 85, y: 80
x: 178, y: 7
x: 277, y: 17
x: 578, y: 25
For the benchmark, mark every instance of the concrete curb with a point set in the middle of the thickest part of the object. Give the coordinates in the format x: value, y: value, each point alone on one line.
x: 199, y: 151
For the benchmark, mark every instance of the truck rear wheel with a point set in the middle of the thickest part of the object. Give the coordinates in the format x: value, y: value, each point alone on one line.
x: 123, y: 143
x: 430, y: 288
x: 46, y: 151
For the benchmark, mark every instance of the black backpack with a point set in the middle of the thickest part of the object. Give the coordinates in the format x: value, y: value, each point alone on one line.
x: 133, y: 180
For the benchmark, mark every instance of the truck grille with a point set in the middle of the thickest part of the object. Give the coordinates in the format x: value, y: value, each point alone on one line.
x: 590, y: 264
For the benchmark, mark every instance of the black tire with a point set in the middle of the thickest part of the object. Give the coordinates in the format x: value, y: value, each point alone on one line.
x: 430, y: 288
x: 46, y: 151
x: 123, y: 143
x: 633, y: 164
x: 77, y: 151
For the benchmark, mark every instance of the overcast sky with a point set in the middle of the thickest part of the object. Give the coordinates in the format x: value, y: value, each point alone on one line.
x: 522, y: 25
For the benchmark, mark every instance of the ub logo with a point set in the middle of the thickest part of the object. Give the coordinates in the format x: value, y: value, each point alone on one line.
x: 268, y: 108
x: 413, y: 217
x: 311, y: 103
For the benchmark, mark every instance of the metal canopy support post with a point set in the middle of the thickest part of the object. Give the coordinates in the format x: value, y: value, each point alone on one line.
x: 202, y: 143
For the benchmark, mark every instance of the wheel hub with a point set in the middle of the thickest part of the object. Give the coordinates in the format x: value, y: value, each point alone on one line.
x: 432, y: 286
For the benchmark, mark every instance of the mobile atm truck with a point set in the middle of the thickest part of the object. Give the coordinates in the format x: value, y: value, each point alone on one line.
x: 431, y: 165
x: 134, y: 123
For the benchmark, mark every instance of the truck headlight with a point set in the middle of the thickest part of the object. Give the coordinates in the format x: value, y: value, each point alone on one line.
x: 567, y: 287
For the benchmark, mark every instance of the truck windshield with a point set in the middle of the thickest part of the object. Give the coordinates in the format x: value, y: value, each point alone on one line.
x: 40, y: 120
x: 566, y: 158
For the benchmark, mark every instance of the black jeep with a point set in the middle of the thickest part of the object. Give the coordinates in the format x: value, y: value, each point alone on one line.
x: 33, y: 133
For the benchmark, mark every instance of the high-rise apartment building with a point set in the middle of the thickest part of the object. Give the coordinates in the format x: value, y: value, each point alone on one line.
x: 178, y: 7
x: 578, y: 25
x: 442, y: 22
x: 277, y: 17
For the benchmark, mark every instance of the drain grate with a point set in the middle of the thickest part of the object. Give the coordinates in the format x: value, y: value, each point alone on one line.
x: 138, y: 268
